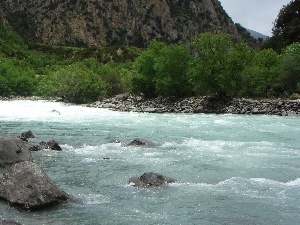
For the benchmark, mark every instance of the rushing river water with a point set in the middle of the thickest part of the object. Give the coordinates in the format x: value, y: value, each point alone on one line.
x: 230, y: 169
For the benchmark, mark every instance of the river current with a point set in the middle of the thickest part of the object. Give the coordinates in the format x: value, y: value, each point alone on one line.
x: 230, y: 169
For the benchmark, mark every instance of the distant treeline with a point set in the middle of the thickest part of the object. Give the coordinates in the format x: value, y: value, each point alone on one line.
x: 214, y: 63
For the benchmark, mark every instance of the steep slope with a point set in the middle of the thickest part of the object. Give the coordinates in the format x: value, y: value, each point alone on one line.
x: 108, y: 22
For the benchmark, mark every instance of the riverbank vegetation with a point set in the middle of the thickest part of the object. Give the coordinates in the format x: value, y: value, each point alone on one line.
x: 213, y: 63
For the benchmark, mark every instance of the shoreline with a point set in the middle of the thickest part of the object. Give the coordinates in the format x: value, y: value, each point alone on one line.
x: 206, y: 104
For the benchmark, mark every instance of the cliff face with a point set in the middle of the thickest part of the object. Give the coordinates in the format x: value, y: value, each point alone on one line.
x: 107, y: 22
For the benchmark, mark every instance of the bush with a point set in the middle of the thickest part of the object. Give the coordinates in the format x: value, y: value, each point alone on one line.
x: 76, y: 83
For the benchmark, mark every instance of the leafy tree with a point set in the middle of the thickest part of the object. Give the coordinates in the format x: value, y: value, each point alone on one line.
x: 17, y: 77
x: 143, y: 79
x: 171, y: 68
x: 162, y: 70
x: 76, y: 83
x: 260, y: 78
x: 219, y: 65
x: 286, y: 28
x: 290, y: 62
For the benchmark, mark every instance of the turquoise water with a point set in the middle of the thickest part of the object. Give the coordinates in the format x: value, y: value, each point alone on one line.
x: 230, y: 169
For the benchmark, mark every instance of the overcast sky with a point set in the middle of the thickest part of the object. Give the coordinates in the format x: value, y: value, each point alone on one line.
x: 257, y: 15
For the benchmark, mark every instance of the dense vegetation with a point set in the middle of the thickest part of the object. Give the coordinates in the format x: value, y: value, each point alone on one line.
x: 214, y: 63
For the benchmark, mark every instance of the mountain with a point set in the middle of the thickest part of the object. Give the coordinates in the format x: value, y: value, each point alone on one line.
x: 115, y: 22
x: 257, y: 35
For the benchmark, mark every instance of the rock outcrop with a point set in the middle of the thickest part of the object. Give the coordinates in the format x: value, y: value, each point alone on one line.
x: 13, y: 150
x: 150, y: 179
x: 118, y: 22
x: 52, y: 145
x: 27, y: 186
x: 27, y: 134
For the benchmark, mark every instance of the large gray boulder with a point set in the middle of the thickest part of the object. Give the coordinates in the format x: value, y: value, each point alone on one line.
x: 27, y: 186
x: 13, y: 150
x: 150, y: 179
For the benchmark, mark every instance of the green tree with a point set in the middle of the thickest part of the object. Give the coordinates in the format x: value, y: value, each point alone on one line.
x: 143, y: 79
x: 260, y: 78
x: 219, y: 65
x: 76, y: 83
x: 290, y: 62
x: 171, y: 68
x: 286, y: 28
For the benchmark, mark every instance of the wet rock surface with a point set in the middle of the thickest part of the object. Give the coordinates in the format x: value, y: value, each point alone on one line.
x: 150, y: 179
x: 27, y: 186
x: 13, y: 150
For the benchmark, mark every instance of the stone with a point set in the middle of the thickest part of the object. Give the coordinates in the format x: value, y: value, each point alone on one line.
x: 141, y: 142
x: 150, y: 179
x: 53, y: 145
x: 13, y: 150
x: 27, y: 134
x: 26, y: 186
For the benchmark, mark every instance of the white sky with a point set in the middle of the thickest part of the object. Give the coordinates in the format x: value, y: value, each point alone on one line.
x: 257, y: 15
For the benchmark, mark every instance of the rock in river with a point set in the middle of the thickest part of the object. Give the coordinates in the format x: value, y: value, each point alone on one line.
x: 27, y: 186
x: 150, y: 179
x: 13, y: 150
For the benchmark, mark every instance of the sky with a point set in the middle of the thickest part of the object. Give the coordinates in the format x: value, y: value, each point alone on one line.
x: 257, y: 15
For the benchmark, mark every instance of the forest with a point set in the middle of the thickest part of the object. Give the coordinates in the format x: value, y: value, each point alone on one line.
x: 212, y: 63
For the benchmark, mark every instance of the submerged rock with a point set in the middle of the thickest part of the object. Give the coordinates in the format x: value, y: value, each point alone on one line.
x: 53, y: 145
x: 150, y: 179
x: 27, y: 186
x: 13, y: 150
x: 141, y: 142
x: 27, y: 134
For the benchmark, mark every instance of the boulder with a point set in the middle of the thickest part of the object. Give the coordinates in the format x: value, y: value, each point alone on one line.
x: 13, y: 150
x: 150, y: 179
x: 53, y: 145
x: 27, y: 186
x: 27, y: 134
x: 141, y: 142
x: 9, y: 222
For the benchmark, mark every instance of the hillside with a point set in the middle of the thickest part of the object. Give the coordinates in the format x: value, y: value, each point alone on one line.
x: 257, y: 35
x: 118, y: 22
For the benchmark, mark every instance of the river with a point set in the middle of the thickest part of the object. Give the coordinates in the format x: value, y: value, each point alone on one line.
x: 230, y: 169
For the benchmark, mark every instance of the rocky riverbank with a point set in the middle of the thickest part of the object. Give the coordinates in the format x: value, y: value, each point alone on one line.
x: 206, y: 104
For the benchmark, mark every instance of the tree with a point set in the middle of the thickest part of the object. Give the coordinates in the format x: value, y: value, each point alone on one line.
x: 162, y: 70
x: 290, y: 62
x: 219, y: 65
x: 171, y: 68
x: 260, y: 78
x: 76, y: 82
x: 286, y: 28
x: 143, y: 79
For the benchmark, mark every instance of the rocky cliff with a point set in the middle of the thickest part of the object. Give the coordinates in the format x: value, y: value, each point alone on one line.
x: 108, y: 22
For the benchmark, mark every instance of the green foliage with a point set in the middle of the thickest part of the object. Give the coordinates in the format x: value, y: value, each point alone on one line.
x: 143, y: 79
x: 76, y: 83
x: 17, y: 77
x: 161, y: 70
x: 11, y: 44
x: 286, y: 28
x: 290, y: 76
x: 260, y: 78
x: 219, y: 65
x: 171, y: 68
